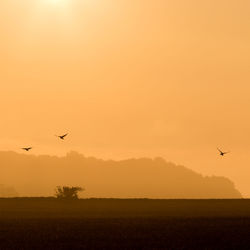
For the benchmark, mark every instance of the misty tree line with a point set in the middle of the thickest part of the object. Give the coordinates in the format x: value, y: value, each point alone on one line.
x: 61, y: 192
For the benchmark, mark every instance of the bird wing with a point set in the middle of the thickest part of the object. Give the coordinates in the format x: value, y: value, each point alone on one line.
x: 27, y: 149
x: 219, y: 150
x: 64, y: 135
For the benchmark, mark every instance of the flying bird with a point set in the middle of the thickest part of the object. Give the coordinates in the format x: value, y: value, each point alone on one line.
x: 222, y: 153
x: 61, y: 136
x: 27, y: 149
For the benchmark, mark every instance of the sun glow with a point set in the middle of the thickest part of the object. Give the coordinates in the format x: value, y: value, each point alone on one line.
x: 56, y: 2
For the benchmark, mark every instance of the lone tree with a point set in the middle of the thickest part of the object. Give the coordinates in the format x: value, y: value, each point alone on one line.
x: 68, y: 193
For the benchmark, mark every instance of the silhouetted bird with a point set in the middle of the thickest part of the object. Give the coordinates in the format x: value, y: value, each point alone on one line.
x: 27, y: 149
x: 222, y: 153
x: 62, y: 136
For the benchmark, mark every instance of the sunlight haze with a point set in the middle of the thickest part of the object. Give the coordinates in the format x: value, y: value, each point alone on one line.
x: 129, y: 78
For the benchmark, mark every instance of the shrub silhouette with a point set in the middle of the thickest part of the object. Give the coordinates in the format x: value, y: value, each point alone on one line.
x: 68, y: 193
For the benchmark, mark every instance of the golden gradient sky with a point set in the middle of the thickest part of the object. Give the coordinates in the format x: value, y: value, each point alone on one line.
x: 129, y: 78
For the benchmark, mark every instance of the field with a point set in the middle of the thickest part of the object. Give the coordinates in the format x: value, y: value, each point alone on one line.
x: 47, y: 223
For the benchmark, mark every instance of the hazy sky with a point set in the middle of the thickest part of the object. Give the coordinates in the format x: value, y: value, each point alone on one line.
x: 129, y: 78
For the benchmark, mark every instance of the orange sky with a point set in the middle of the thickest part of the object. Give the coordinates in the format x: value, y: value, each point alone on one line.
x: 129, y: 79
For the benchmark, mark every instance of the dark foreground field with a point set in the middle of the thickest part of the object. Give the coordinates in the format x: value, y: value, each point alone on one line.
x: 124, y: 224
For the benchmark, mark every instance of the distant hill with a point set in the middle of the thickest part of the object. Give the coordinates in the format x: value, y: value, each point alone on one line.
x: 7, y: 192
x: 133, y: 178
